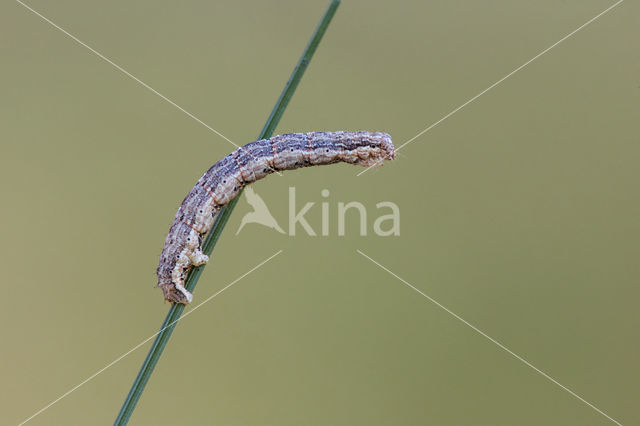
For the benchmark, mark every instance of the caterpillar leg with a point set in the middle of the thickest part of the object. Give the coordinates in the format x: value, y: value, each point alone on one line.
x: 176, y: 293
x: 193, y: 250
x: 180, y: 294
x: 187, y: 296
x: 198, y: 258
x: 192, y: 254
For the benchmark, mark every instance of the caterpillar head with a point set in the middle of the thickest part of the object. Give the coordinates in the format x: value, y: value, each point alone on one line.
x: 374, y: 148
x: 387, y: 150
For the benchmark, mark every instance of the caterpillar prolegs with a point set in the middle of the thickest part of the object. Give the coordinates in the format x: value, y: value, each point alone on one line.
x: 222, y: 182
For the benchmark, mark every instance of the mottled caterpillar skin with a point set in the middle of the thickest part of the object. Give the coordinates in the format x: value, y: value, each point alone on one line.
x: 222, y: 182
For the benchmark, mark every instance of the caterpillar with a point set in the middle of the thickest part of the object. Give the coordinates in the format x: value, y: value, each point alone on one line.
x: 224, y: 180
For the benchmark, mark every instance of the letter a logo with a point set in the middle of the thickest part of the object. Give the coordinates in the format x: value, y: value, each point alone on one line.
x: 260, y: 214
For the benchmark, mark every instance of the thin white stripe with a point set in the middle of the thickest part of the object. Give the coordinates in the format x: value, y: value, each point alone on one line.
x: 502, y: 79
x: 127, y: 73
x: 500, y: 345
x: 88, y: 379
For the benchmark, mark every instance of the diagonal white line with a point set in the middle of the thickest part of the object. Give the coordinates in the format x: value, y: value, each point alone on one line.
x: 147, y: 339
x: 500, y: 345
x: 127, y: 73
x: 502, y: 79
x: 511, y: 73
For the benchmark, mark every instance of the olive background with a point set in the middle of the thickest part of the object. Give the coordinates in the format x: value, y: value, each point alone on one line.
x: 519, y: 213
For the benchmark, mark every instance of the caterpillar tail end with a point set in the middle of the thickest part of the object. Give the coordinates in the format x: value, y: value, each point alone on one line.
x: 176, y: 294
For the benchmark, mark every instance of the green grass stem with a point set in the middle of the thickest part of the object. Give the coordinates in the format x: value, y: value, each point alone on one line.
x: 221, y: 220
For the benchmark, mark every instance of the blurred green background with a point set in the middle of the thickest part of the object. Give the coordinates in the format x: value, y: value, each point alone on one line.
x: 519, y: 213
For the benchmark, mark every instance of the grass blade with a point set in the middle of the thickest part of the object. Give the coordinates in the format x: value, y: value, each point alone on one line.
x: 221, y: 220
